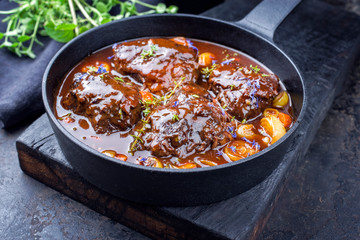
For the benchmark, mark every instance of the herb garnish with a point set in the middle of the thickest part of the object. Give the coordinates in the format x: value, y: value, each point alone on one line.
x: 119, y: 79
x: 149, y: 53
x: 63, y: 20
x: 175, y: 118
x: 256, y: 68
x: 120, y: 114
x: 207, y: 71
x: 91, y: 69
x: 148, y: 105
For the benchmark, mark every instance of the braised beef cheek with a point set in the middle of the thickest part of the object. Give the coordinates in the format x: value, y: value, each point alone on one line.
x: 187, y: 124
x: 243, y: 91
x: 156, y: 63
x: 110, y: 105
x: 173, y: 103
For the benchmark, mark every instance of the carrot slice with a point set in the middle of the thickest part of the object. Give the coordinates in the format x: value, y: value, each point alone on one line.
x: 187, y: 165
x: 146, y: 96
x: 121, y: 157
x: 285, y: 119
x: 206, y: 58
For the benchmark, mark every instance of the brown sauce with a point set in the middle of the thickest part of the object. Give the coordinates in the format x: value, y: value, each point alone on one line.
x: 226, y: 63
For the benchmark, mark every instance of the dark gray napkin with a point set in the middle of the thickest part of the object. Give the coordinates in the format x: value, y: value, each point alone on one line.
x: 20, y: 78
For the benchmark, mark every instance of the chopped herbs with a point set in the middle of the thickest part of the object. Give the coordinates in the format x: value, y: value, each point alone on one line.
x: 195, y: 96
x: 146, y: 112
x: 175, y: 118
x: 91, y: 69
x: 172, y: 92
x: 137, y: 138
x: 149, y: 53
x: 120, y: 114
x: 265, y: 75
x: 119, y: 79
x: 148, y: 105
x: 207, y: 71
x: 256, y: 69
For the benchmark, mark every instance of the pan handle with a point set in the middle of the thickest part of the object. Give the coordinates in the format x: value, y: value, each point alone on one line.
x: 267, y: 16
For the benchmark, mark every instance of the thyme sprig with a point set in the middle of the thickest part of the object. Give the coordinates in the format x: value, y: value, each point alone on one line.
x: 207, y: 71
x: 62, y: 20
x: 256, y: 69
x: 149, y: 105
x: 149, y: 53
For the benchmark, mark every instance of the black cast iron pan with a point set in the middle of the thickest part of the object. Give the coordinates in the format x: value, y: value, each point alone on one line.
x: 176, y: 187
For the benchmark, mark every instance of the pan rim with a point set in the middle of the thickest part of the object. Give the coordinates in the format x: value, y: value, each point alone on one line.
x: 83, y: 146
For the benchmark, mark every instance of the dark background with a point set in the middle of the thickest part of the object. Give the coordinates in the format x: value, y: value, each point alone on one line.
x: 324, y: 205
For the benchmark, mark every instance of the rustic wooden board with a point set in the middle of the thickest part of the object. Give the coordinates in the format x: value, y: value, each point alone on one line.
x: 323, y: 48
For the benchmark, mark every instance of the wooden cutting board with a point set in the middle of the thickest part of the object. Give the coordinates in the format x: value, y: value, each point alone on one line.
x: 321, y: 40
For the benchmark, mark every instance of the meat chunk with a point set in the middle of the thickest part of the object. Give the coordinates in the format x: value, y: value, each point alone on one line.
x: 188, y: 123
x: 157, y: 63
x: 243, y: 91
x: 110, y: 103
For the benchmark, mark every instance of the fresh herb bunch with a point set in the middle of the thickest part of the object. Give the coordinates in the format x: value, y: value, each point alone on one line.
x: 62, y: 20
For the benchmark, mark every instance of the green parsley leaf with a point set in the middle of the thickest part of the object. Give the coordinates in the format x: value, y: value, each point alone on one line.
x: 256, y: 68
x: 175, y: 118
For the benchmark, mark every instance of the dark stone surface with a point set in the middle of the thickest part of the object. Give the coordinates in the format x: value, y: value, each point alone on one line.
x: 31, y: 210
x: 327, y: 183
x: 320, y: 201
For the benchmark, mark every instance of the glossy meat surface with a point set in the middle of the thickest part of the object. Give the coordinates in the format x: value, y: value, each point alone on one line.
x: 187, y: 124
x: 173, y: 103
x: 110, y: 105
x: 244, y: 92
x: 156, y: 63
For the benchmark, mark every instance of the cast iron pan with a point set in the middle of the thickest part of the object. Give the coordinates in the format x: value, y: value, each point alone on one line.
x: 175, y: 187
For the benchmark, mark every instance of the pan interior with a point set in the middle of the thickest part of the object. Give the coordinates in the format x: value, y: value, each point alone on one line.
x: 169, y: 25
x: 207, y: 184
